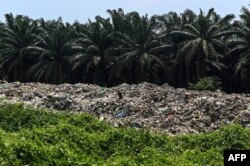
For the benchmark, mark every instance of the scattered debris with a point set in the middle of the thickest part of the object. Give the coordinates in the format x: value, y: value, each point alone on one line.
x: 158, y: 108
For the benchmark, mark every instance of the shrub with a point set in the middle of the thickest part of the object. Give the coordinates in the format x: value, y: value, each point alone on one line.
x: 206, y: 83
x: 83, y: 140
x: 15, y: 117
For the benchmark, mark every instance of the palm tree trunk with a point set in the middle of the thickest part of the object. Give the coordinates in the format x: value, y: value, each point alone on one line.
x: 100, y: 75
x: 187, y: 75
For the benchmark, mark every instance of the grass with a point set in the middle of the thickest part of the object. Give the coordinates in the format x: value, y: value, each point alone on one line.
x: 37, y: 137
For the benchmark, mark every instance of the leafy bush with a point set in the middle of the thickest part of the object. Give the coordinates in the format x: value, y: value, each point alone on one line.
x: 14, y: 118
x: 48, y: 138
x: 206, y: 83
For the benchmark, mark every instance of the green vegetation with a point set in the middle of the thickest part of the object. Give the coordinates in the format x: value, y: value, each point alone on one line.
x: 207, y: 83
x: 38, y: 137
x: 129, y: 48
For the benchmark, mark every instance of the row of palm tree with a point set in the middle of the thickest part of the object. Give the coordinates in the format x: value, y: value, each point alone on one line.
x: 172, y: 48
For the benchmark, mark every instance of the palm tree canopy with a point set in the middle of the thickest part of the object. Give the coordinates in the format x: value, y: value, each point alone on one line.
x: 201, y: 42
x: 138, y: 50
x: 17, y: 34
x: 54, y: 48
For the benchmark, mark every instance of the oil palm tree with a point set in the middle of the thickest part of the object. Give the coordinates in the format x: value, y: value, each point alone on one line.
x: 138, y: 49
x: 202, y: 45
x: 120, y: 20
x: 16, y: 35
x: 92, y: 61
x: 168, y: 23
x: 54, y: 48
x: 239, y: 45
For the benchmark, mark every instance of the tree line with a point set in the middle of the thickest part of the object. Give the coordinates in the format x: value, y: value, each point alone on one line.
x: 128, y: 48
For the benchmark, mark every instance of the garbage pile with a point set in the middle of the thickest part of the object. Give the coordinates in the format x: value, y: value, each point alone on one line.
x: 148, y: 106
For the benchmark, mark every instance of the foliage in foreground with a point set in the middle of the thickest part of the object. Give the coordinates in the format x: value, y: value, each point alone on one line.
x: 38, y: 137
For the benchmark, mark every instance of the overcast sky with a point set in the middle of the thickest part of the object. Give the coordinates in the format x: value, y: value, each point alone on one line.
x: 81, y: 10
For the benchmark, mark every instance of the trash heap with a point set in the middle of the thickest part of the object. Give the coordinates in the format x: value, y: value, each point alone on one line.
x: 148, y: 106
